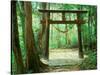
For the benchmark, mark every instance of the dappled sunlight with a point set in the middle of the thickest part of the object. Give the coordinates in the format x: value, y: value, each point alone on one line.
x: 52, y: 37
x: 64, y: 57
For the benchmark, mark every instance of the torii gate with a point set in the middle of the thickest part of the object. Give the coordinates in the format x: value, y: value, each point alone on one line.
x: 47, y: 21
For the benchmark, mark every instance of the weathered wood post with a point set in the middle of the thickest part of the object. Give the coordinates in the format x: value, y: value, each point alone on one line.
x: 81, y: 55
x: 63, y: 16
x: 47, y: 34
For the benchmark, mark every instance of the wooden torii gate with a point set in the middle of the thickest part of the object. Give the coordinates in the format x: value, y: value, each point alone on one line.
x: 47, y: 21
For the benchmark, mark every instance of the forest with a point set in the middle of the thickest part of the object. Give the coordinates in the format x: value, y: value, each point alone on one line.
x: 52, y: 37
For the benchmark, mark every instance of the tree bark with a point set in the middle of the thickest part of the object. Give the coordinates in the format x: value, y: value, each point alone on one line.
x: 44, y: 6
x: 66, y: 35
x: 58, y: 38
x: 45, y: 32
x: 15, y: 39
x: 33, y: 62
x: 22, y: 17
x: 89, y: 28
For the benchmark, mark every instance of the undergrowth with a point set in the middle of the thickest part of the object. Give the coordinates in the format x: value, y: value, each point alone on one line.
x: 90, y: 62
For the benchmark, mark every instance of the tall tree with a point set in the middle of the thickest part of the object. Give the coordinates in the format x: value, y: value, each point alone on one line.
x: 58, y: 37
x: 90, y: 27
x: 33, y: 62
x: 20, y: 5
x: 43, y: 31
x: 21, y: 24
x: 15, y: 39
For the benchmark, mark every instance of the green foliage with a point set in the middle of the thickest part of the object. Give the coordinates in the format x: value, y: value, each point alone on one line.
x: 90, y: 62
x: 58, y: 39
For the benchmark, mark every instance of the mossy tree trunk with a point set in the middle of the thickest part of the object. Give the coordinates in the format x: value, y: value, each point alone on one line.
x: 33, y: 62
x: 22, y: 19
x: 15, y: 39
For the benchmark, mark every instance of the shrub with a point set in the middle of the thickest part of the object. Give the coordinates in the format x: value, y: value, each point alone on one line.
x: 90, y: 62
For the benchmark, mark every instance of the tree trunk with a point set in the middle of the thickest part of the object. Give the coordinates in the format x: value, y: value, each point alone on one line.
x: 58, y: 38
x: 89, y: 28
x: 66, y: 36
x: 22, y: 18
x: 44, y: 6
x: 33, y: 62
x: 43, y: 32
x: 15, y: 39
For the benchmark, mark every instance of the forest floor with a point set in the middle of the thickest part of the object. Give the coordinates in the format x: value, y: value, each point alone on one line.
x: 62, y: 60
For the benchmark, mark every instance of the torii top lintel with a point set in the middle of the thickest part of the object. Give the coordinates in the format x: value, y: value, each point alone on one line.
x: 63, y: 21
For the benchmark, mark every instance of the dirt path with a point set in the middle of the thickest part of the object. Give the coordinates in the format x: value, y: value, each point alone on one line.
x: 63, y: 60
x: 59, y: 57
x: 64, y: 68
